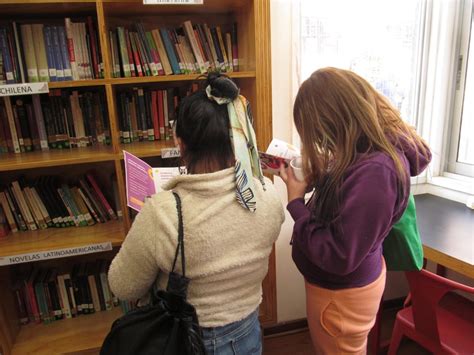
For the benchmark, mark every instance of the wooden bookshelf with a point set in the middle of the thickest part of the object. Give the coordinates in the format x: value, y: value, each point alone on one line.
x: 85, y: 334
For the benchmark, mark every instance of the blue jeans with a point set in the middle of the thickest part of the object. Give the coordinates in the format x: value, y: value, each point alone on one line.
x: 239, y: 338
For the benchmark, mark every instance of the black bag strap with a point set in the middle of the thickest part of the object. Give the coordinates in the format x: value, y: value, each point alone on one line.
x: 180, y: 246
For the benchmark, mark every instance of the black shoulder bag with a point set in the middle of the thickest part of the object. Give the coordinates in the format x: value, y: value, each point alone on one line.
x: 168, y: 325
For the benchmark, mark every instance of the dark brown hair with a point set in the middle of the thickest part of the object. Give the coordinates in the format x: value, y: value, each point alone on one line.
x: 203, y: 125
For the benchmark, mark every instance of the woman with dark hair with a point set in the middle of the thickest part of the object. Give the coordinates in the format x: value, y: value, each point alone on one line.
x: 232, y: 216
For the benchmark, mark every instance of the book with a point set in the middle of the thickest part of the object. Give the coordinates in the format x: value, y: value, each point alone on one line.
x: 277, y: 153
x: 71, y: 47
x: 124, y: 59
x: 143, y: 181
x: 19, y: 53
x: 50, y: 56
x: 6, y: 57
x: 56, y: 49
x: 8, y: 212
x: 40, y: 52
x: 170, y: 51
x: 130, y: 54
x: 188, y: 28
x: 11, y: 122
x: 162, y: 52
x: 65, y: 50
x: 25, y: 211
x: 99, y: 193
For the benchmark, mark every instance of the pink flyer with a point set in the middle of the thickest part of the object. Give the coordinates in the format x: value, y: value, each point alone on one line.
x: 138, y: 180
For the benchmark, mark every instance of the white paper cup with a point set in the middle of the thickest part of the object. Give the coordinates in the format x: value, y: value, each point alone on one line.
x: 297, y: 166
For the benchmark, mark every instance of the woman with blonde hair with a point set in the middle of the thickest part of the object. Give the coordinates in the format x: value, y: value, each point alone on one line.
x: 358, y: 154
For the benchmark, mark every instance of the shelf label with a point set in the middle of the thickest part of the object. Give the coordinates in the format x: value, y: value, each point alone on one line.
x: 168, y: 153
x: 173, y: 2
x: 24, y: 89
x: 55, y: 254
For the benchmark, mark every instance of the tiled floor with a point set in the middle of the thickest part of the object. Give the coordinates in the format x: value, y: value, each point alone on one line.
x: 299, y: 343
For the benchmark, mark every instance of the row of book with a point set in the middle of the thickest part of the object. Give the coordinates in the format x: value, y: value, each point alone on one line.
x: 147, y: 114
x: 47, y: 295
x: 48, y: 203
x: 166, y: 51
x: 61, y: 119
x: 39, y: 52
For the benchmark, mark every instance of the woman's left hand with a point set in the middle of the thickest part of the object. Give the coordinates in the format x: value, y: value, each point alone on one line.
x: 296, y: 189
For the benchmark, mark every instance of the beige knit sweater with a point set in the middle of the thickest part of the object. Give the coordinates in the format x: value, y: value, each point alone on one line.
x: 227, y: 247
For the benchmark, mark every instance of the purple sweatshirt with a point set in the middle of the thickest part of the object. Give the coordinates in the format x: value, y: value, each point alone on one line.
x: 348, y: 252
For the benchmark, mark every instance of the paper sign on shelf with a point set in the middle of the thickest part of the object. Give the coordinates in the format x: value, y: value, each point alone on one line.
x: 168, y: 153
x: 173, y: 2
x: 55, y: 254
x: 24, y: 89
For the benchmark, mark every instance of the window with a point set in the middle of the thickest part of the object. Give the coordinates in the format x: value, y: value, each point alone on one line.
x: 380, y: 40
x: 461, y: 157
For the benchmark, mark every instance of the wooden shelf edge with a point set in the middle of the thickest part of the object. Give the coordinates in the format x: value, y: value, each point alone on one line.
x: 39, y: 2
x: 53, y: 239
x: 172, y: 78
x: 76, y: 83
x: 83, y: 334
x: 32, y: 160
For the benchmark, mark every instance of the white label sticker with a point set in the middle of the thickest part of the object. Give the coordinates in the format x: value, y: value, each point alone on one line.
x: 24, y: 89
x: 168, y: 153
x: 55, y: 254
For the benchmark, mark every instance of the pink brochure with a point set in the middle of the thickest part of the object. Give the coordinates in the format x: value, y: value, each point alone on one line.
x: 138, y: 180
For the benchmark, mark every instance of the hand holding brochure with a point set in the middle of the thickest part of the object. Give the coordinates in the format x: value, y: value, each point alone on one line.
x: 143, y: 181
x: 278, y: 152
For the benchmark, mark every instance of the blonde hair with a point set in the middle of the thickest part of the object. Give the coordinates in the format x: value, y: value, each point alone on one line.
x: 338, y: 115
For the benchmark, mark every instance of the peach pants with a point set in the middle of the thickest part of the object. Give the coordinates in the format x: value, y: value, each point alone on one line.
x: 340, y: 320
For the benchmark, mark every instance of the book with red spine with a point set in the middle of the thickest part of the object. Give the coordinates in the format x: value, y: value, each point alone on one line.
x: 161, y: 113
x: 130, y: 53
x: 102, y: 198
x: 154, y: 112
x: 136, y: 57
x: 94, y: 48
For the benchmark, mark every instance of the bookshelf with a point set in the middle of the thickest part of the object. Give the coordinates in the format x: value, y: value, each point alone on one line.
x: 85, y: 333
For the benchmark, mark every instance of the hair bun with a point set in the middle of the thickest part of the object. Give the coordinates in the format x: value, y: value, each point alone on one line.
x: 222, y: 86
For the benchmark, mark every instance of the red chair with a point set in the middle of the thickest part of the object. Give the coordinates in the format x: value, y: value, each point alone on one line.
x: 443, y: 325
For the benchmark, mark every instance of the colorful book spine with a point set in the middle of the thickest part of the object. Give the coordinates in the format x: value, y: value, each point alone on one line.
x: 11, y: 122
x: 51, y: 59
x: 19, y: 52
x: 65, y: 53
x: 40, y: 52
x: 71, y: 48
x: 123, y: 52
x: 7, y: 59
x: 58, y: 60
x: 170, y: 51
x: 102, y: 198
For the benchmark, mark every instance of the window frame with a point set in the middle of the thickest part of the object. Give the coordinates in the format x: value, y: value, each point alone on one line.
x: 465, y: 31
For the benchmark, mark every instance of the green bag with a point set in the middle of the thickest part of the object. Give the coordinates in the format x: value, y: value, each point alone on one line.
x: 402, y: 248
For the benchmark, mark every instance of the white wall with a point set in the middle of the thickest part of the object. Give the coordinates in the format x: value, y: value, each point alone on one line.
x: 290, y: 284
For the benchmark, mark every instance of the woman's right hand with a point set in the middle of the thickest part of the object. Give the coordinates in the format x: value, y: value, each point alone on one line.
x: 295, y: 188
